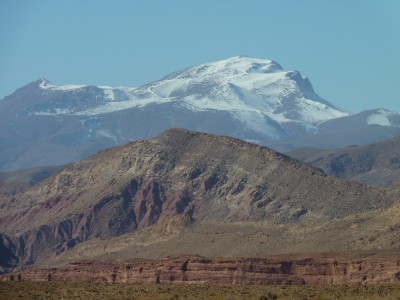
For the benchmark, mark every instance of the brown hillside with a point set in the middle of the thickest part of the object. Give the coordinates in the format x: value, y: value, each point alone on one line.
x: 203, y: 178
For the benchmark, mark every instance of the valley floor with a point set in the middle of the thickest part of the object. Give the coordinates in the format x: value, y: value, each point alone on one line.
x: 87, y: 290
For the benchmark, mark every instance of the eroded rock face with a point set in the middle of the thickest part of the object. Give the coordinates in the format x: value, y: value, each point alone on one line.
x: 225, y: 271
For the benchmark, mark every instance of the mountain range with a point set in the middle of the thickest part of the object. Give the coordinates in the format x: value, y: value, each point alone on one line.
x: 247, y: 98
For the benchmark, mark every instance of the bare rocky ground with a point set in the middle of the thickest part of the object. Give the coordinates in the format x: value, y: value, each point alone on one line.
x: 87, y: 290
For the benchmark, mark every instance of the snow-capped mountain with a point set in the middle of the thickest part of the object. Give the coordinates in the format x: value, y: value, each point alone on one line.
x: 244, y: 84
x: 257, y: 92
x: 247, y: 98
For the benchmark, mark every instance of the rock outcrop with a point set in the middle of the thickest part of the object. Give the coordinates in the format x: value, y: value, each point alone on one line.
x: 224, y: 271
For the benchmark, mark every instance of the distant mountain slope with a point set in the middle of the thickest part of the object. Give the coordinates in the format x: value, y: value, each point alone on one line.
x: 363, y: 128
x: 14, y: 182
x: 376, y: 164
x: 195, y: 176
x: 247, y: 98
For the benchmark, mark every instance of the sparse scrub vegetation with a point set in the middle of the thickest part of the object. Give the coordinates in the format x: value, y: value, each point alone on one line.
x: 88, y: 290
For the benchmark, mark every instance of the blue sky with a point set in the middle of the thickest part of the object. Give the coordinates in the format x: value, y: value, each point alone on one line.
x: 350, y: 49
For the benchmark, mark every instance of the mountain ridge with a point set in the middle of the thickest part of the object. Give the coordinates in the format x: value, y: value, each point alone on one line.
x: 167, y: 184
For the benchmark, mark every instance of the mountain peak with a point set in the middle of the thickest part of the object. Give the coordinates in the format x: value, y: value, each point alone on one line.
x: 245, y: 64
x: 43, y: 83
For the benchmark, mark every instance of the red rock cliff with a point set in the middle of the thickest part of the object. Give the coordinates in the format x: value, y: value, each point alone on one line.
x: 225, y: 271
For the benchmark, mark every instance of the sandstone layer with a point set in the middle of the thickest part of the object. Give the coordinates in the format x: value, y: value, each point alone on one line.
x: 224, y: 271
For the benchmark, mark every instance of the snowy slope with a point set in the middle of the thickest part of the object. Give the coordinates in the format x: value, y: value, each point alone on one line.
x: 111, y: 93
x: 252, y: 90
x: 245, y: 84
x: 73, y: 99
x: 383, y: 117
